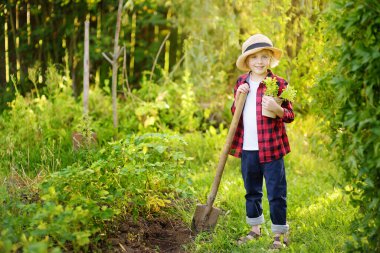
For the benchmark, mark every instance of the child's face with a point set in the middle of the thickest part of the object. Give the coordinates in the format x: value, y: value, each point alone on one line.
x: 259, y: 62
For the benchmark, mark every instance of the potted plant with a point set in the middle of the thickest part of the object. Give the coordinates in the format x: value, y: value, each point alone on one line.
x: 289, y: 94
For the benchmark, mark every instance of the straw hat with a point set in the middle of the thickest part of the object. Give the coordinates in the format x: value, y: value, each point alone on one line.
x: 254, y: 44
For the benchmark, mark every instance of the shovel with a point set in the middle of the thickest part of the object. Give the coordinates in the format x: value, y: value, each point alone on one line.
x: 206, y: 216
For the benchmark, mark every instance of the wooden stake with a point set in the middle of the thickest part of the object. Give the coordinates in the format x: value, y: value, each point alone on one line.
x: 86, y: 67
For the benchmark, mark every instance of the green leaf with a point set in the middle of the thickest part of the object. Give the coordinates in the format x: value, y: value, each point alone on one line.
x: 271, y: 87
x: 82, y: 237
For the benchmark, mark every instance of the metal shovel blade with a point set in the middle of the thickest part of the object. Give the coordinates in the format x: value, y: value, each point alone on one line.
x: 202, y: 221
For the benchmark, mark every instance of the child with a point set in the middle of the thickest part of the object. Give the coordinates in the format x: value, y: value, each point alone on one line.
x: 260, y: 141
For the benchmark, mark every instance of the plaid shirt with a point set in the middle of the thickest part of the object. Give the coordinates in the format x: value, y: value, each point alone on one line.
x: 271, y: 133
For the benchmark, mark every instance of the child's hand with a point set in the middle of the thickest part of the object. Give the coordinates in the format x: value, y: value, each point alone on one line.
x: 244, y: 88
x: 270, y: 104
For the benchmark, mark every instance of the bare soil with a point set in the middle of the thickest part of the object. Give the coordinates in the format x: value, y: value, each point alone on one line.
x: 153, y: 235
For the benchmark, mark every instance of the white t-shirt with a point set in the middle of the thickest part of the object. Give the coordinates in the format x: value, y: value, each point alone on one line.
x: 250, y: 140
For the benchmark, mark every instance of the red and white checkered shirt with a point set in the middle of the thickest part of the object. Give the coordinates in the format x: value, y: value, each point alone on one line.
x: 271, y: 133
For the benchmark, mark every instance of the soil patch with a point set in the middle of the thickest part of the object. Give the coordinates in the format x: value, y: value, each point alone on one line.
x: 154, y: 235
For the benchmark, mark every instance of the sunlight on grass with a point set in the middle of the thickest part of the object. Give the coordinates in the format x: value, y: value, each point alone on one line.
x: 320, y: 204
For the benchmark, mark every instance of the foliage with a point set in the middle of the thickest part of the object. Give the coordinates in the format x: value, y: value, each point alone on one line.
x: 271, y: 87
x: 55, y: 30
x: 171, y: 105
x: 35, y: 131
x: 305, y: 41
x: 211, y: 46
x: 139, y: 176
x: 205, y: 38
x: 289, y: 93
x: 349, y: 102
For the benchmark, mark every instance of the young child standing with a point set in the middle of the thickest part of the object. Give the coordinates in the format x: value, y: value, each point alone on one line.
x: 260, y: 141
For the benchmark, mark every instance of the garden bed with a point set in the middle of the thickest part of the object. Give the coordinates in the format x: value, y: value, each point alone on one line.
x: 152, y: 235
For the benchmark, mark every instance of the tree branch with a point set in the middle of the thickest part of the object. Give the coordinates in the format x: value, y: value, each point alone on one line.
x: 108, y: 59
x: 158, y: 53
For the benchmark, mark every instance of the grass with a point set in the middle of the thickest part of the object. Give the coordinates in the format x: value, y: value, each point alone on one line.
x: 319, y: 214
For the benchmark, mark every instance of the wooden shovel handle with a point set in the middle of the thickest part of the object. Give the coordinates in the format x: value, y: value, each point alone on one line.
x: 223, y: 157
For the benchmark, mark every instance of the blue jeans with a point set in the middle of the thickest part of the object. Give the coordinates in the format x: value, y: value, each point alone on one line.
x: 274, y: 173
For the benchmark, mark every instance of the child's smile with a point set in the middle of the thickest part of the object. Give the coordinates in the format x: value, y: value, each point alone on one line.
x: 260, y: 67
x: 259, y: 70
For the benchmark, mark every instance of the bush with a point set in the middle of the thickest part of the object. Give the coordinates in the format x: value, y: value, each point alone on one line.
x: 36, y: 132
x: 139, y: 175
x: 169, y: 105
x: 351, y: 107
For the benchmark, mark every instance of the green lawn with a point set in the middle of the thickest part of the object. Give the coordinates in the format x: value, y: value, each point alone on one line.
x: 319, y: 213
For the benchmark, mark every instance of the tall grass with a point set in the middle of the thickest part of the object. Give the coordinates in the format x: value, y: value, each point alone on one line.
x: 319, y: 213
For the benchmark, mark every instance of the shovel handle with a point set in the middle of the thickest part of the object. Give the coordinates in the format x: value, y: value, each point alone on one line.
x: 224, y: 155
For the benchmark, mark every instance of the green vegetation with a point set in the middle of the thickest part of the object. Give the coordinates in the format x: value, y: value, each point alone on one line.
x: 68, y: 179
x: 272, y: 90
x: 272, y: 87
x: 289, y: 93
x: 350, y: 103
x: 137, y: 176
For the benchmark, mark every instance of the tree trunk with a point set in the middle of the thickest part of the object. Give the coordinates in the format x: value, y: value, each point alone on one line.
x: 3, y: 61
x: 12, y: 49
x: 23, y: 41
x: 72, y: 60
x: 132, y: 48
x: 116, y: 53
x: 86, y: 67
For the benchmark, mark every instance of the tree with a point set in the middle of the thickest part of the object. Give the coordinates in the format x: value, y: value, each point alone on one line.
x: 115, y: 65
x: 349, y: 95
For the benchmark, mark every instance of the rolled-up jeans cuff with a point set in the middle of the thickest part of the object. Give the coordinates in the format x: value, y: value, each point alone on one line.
x: 280, y: 229
x: 255, y: 221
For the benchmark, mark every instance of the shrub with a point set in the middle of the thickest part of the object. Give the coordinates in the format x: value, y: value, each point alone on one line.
x: 35, y: 133
x: 139, y: 175
x: 349, y: 102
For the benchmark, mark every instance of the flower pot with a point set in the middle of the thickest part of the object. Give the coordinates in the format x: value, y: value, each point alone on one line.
x: 271, y: 114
